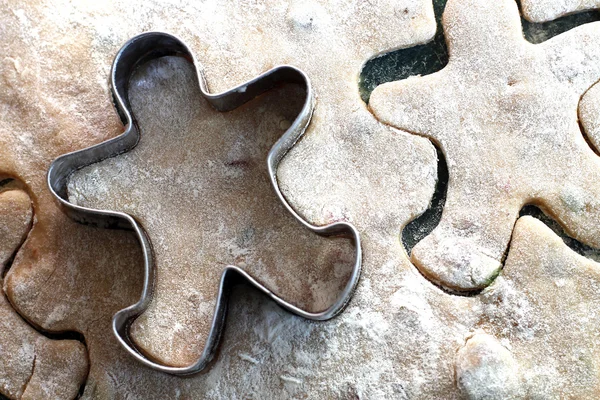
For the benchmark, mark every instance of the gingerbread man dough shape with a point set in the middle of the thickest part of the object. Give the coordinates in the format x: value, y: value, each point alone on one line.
x: 504, y: 113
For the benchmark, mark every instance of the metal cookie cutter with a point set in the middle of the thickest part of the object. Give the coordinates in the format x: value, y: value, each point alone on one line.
x: 136, y: 51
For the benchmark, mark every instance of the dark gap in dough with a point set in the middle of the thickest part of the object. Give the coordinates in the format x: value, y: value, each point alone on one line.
x: 418, y: 228
x: 574, y: 244
x: 5, y: 182
x: 423, y: 59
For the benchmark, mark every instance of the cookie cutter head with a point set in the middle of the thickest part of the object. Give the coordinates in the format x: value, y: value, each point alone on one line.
x: 138, y: 50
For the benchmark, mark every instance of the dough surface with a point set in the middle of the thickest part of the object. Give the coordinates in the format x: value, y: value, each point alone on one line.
x: 552, y: 292
x: 548, y: 10
x: 31, y: 365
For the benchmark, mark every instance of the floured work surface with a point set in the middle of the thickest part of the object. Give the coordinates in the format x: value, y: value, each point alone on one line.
x: 400, y: 336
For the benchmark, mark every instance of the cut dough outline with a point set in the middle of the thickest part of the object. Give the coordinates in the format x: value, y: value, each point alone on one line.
x: 534, y: 33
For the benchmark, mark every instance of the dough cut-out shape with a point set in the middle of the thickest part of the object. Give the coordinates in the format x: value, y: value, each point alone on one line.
x: 168, y: 330
x: 504, y: 113
x: 32, y: 366
x: 548, y: 10
x: 431, y: 57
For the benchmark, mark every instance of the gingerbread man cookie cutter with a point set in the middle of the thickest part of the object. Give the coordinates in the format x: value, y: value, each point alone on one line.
x: 141, y: 49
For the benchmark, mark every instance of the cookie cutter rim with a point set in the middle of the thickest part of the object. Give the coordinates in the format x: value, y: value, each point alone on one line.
x: 138, y: 50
